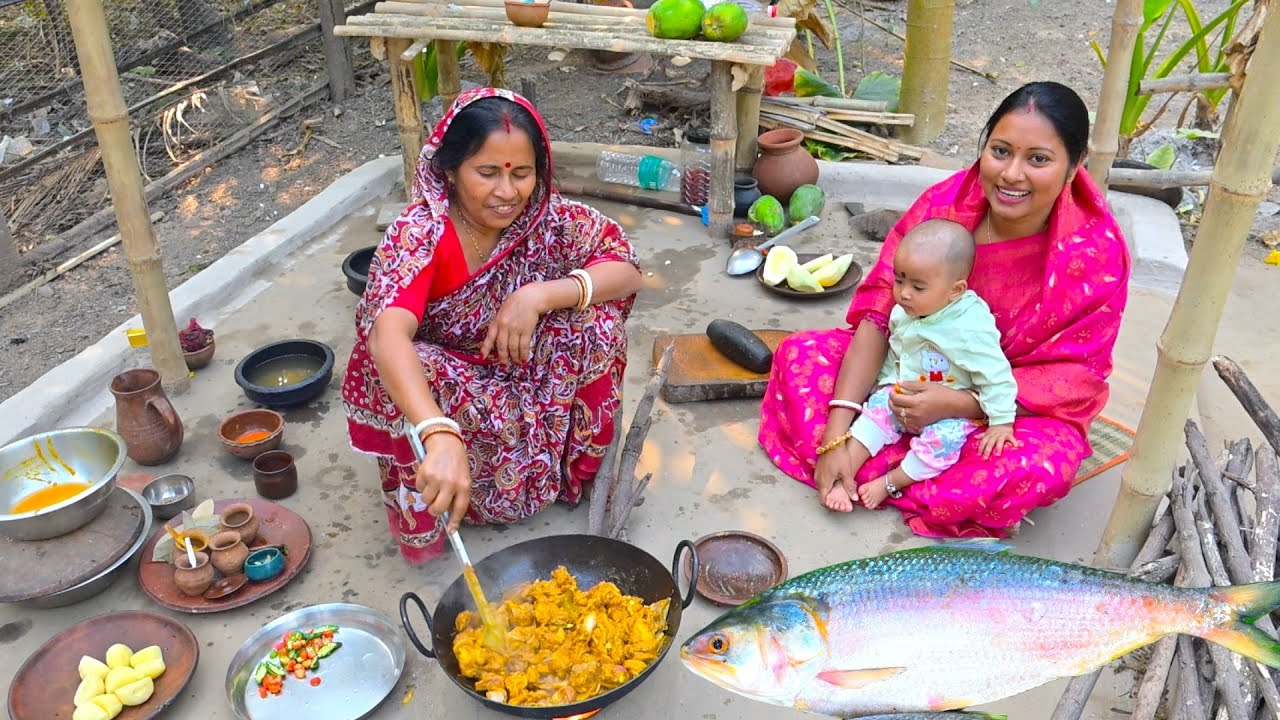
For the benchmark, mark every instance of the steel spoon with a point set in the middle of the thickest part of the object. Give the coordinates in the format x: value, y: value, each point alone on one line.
x: 745, y: 259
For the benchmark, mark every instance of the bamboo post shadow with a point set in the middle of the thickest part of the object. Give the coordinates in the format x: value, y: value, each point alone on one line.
x: 106, y: 108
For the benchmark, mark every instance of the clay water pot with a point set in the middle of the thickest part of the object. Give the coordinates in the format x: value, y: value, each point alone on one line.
x: 241, y: 518
x: 193, y: 581
x: 151, y: 428
x: 274, y: 475
x: 229, y: 552
x: 784, y: 164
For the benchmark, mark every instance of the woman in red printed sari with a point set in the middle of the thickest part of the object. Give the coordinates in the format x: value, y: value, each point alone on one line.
x: 492, y: 327
x: 1053, y: 267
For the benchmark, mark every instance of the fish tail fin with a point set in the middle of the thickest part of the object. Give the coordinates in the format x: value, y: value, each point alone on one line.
x: 1250, y: 603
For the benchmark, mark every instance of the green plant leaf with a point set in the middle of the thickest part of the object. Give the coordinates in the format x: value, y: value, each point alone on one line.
x: 492, y: 59
x: 1162, y: 157
x: 826, y: 151
x: 144, y: 71
x: 426, y: 76
x: 880, y: 86
x: 1197, y: 134
x: 1153, y: 10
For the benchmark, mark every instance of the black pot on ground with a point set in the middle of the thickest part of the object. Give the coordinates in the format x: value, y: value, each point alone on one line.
x: 1169, y: 196
x: 356, y: 269
x: 286, y: 373
x: 745, y: 191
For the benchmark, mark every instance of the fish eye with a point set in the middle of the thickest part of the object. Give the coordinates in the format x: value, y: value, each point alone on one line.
x: 718, y: 644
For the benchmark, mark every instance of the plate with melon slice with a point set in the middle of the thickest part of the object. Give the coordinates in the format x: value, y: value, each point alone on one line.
x: 808, y: 276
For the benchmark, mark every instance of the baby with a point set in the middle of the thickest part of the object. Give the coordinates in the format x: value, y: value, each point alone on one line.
x: 939, y: 331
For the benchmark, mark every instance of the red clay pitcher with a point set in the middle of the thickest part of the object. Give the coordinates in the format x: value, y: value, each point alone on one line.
x: 151, y: 428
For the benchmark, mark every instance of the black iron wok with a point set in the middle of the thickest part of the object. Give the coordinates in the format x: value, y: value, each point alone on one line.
x: 591, y: 559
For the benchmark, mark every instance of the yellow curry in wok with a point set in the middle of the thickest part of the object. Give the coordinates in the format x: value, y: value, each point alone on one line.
x: 563, y: 644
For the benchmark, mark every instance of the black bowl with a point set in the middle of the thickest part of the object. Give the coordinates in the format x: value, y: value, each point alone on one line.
x: 290, y: 395
x: 356, y: 268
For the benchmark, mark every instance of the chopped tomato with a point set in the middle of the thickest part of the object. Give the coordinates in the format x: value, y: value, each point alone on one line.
x: 300, y: 672
x: 315, y: 681
x: 262, y: 691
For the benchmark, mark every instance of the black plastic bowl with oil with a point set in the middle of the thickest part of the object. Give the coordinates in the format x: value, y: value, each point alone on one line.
x: 285, y: 373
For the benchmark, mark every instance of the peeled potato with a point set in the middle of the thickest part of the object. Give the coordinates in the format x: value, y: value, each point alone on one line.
x: 151, y: 668
x: 136, y: 693
x: 118, y: 655
x: 147, y: 654
x: 109, y: 703
x: 92, y: 667
x: 121, y: 676
x: 90, y: 688
x: 89, y: 711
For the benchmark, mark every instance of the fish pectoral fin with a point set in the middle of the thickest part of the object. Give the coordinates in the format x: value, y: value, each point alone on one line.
x: 854, y: 679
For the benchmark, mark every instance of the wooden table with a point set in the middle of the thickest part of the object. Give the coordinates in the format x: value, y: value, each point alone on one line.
x: 737, y: 69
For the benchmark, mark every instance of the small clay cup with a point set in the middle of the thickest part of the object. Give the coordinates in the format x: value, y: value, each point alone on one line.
x: 274, y: 475
x: 229, y: 552
x: 241, y: 518
x: 193, y: 581
x: 264, y: 564
x: 197, y: 359
x: 199, y: 543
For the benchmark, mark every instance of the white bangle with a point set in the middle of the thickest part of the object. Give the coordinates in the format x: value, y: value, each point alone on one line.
x: 846, y: 404
x: 586, y: 281
x: 441, y: 420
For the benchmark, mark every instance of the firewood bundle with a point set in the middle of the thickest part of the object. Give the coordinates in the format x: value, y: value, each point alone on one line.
x: 1219, y: 527
x: 841, y: 122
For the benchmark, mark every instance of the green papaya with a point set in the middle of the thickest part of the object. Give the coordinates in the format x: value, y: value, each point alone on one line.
x: 675, y: 19
x: 767, y: 211
x: 805, y: 201
x: 724, y: 22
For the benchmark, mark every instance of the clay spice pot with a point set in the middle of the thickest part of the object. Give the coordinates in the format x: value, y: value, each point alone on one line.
x: 199, y: 543
x: 264, y: 564
x: 274, y: 475
x: 241, y: 518
x: 229, y: 552
x: 197, y: 345
x: 784, y: 164
x: 528, y: 13
x: 193, y: 581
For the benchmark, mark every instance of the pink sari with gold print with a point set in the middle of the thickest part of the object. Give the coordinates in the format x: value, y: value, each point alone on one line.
x: 1057, y: 298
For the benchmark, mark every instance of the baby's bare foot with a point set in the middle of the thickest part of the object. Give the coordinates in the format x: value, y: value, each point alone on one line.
x: 838, y: 499
x: 873, y: 493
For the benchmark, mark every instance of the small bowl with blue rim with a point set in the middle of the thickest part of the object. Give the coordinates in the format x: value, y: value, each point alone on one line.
x: 264, y: 564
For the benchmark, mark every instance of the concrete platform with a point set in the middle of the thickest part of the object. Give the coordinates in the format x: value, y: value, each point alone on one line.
x: 708, y: 473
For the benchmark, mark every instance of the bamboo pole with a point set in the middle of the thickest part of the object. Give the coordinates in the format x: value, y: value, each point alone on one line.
x: 724, y: 140
x: 748, y: 120
x: 926, y: 71
x: 1160, y: 179
x: 404, y: 96
x: 1241, y: 178
x: 105, y: 102
x: 449, y: 82
x: 1184, y: 83
x: 1104, y: 143
x: 337, y: 51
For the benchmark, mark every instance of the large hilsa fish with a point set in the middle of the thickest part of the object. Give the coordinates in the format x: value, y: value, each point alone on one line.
x: 955, y: 625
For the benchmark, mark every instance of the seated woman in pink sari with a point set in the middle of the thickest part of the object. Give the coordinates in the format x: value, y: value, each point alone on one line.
x: 1052, y: 265
x: 491, y: 327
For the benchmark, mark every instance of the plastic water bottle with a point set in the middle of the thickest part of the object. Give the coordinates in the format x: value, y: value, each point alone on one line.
x: 646, y: 171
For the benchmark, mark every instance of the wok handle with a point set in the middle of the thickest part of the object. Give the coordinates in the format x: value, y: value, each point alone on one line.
x: 411, y: 597
x: 675, y: 571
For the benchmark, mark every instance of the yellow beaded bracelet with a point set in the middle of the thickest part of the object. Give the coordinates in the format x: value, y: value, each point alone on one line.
x: 832, y: 445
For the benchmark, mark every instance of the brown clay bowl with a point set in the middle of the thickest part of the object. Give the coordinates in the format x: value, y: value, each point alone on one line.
x: 735, y: 566
x: 197, y: 359
x: 223, y: 587
x: 528, y: 14
x: 251, y: 421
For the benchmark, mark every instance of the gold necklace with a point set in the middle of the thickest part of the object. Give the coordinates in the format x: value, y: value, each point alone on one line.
x: 990, y: 235
x: 471, y: 236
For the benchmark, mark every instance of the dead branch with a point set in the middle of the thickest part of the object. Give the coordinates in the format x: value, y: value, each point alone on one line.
x: 1151, y: 689
x: 1261, y: 412
x: 1190, y: 689
x: 1224, y: 515
x: 625, y: 514
x: 605, y: 479
x: 626, y: 492
x: 1266, y: 524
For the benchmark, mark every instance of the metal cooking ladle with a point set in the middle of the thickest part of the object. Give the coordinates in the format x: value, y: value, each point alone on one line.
x: 746, y: 259
x: 493, y: 633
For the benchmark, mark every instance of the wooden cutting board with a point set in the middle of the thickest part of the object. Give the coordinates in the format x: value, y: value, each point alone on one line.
x: 35, y: 568
x: 698, y: 371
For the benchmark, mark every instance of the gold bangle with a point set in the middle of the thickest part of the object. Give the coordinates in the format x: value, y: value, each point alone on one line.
x: 832, y: 445
x: 582, y: 290
x: 432, y: 430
